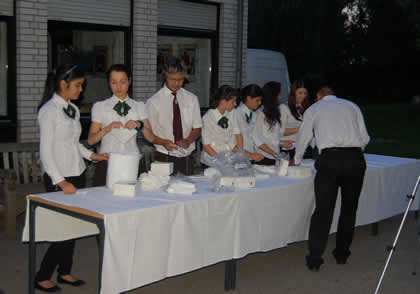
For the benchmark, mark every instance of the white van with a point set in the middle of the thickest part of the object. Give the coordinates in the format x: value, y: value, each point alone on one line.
x: 264, y: 65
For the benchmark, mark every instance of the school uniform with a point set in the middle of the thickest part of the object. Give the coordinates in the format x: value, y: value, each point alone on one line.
x: 289, y: 121
x: 341, y: 136
x: 61, y: 159
x: 246, y: 119
x: 219, y: 132
x: 264, y: 134
x: 111, y: 110
x: 161, y: 108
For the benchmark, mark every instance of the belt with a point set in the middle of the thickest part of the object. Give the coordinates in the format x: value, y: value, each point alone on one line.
x: 335, y: 149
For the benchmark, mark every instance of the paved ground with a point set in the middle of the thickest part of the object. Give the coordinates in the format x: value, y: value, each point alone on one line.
x: 278, y: 271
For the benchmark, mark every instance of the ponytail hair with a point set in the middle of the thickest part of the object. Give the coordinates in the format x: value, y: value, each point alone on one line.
x: 271, y: 108
x: 66, y: 72
x: 224, y: 92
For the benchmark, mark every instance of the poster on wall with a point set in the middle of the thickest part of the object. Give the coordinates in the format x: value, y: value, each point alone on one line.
x: 186, y: 53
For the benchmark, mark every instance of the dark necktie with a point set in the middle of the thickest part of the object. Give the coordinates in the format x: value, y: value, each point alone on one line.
x: 248, y: 117
x: 223, y: 122
x: 122, y: 108
x: 177, y: 123
x: 70, y: 111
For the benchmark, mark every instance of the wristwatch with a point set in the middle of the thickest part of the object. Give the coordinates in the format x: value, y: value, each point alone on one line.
x: 141, y: 125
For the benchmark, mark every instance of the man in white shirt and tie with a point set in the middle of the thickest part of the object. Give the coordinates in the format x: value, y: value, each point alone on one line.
x: 341, y: 136
x: 174, y: 115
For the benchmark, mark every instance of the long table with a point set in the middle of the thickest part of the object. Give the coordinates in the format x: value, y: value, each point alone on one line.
x: 158, y: 235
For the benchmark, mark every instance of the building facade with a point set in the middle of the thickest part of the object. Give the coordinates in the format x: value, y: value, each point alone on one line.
x: 39, y: 35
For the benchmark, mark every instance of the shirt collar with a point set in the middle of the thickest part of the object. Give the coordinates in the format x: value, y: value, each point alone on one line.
x: 168, y: 91
x: 115, y: 99
x: 245, y: 109
x: 329, y: 97
x: 217, y: 115
x: 60, y: 100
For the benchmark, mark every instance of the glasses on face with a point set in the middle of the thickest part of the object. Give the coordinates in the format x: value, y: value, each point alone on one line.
x: 175, y: 80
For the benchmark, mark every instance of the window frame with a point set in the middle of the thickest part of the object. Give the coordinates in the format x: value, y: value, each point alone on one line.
x: 8, y: 123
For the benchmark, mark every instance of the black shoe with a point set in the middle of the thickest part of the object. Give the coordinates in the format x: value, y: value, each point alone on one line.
x: 341, y: 258
x: 313, y: 268
x: 314, y: 263
x: 76, y: 283
x: 49, y: 290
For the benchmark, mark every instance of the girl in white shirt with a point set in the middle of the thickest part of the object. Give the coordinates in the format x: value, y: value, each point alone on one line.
x: 251, y: 98
x: 292, y: 112
x: 115, y: 121
x: 268, y: 128
x: 62, y: 162
x: 220, y: 129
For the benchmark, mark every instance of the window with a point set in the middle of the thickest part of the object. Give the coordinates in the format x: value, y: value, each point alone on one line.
x: 92, y: 47
x: 8, y: 111
x: 196, y: 50
x: 4, y: 64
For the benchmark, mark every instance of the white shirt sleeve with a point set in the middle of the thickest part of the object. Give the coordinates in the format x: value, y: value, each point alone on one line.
x: 207, y: 126
x: 86, y: 153
x: 362, y: 127
x: 305, y: 135
x: 235, y: 126
x: 153, y: 116
x: 283, y: 115
x: 141, y: 110
x: 196, y: 119
x: 257, y: 132
x: 47, y: 124
x: 97, y: 113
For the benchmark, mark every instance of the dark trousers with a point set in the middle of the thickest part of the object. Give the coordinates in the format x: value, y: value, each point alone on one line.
x: 336, y: 168
x: 182, y: 165
x: 59, y: 253
x: 266, y: 161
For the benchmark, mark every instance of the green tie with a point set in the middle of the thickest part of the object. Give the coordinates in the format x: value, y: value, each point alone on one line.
x: 248, y: 117
x: 70, y: 111
x: 223, y: 122
x: 122, y: 108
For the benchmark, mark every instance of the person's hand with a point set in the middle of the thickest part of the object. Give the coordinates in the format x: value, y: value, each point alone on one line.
x: 184, y: 143
x: 68, y: 188
x: 99, y: 157
x: 113, y: 125
x: 236, y: 148
x: 131, y: 124
x: 257, y: 157
x: 287, y: 144
x: 292, y: 162
x: 169, y: 145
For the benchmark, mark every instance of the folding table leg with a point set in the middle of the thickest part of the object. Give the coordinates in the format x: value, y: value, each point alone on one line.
x: 375, y: 229
x: 101, y: 242
x: 230, y: 275
x: 32, y: 248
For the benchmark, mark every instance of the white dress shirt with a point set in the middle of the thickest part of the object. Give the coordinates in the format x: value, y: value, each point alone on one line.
x: 60, y: 151
x: 160, y: 111
x: 220, y: 139
x: 289, y: 121
x: 335, y: 122
x: 103, y: 112
x: 263, y: 134
x: 246, y: 128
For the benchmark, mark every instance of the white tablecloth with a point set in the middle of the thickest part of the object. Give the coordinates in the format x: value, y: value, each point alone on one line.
x: 158, y: 235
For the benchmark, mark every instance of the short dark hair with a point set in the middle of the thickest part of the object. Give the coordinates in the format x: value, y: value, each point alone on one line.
x: 251, y: 90
x: 224, y: 92
x: 173, y: 65
x: 118, y: 68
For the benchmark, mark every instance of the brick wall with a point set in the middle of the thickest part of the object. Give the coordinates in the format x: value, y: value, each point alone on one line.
x: 144, y: 48
x: 228, y: 41
x: 31, y: 59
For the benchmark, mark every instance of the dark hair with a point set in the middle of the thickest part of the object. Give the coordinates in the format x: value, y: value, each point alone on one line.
x: 251, y: 90
x: 271, y: 106
x: 65, y: 72
x: 118, y: 68
x: 173, y: 65
x: 224, y: 92
x: 292, y: 100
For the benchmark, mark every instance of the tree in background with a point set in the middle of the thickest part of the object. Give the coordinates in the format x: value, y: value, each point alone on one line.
x: 366, y: 48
